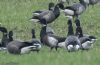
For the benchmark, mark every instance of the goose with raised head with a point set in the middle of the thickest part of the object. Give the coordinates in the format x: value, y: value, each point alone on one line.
x: 50, y: 39
x: 35, y: 42
x: 79, y: 31
x: 86, y: 40
x: 22, y: 47
x: 4, y: 32
x: 72, y: 42
x: 6, y: 38
x: 47, y: 17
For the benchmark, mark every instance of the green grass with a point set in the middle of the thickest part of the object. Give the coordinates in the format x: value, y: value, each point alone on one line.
x: 16, y: 13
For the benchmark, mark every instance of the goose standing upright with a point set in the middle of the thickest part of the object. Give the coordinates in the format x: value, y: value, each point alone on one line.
x: 72, y: 42
x: 50, y: 39
x: 46, y: 17
x: 76, y: 9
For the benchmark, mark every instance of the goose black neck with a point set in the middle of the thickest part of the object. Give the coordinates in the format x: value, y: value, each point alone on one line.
x: 4, y: 40
x: 0, y: 45
x: 70, y: 28
x: 33, y: 33
x: 56, y: 11
x: 61, y: 6
x: 4, y: 36
x: 7, y: 37
x: 79, y: 31
x: 77, y: 21
x: 10, y: 35
x: 10, y: 38
x: 43, y: 31
x: 33, y: 36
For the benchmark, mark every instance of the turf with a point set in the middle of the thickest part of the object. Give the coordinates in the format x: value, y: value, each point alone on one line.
x: 15, y: 14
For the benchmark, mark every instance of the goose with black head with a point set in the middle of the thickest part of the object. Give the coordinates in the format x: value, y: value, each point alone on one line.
x: 72, y: 42
x: 49, y: 39
x: 86, y: 40
x: 6, y: 38
x: 23, y: 47
x: 47, y: 17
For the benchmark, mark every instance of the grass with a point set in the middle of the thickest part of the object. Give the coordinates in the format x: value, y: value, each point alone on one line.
x: 16, y: 13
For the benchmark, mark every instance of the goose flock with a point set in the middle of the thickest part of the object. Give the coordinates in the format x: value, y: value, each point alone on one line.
x: 74, y: 41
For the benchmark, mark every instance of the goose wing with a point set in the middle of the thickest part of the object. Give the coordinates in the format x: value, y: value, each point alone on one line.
x: 84, y: 39
x: 78, y: 8
x: 72, y: 40
x: 60, y: 39
x: 48, y: 16
x: 73, y: 7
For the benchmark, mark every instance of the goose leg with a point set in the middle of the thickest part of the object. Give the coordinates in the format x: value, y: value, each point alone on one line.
x: 51, y: 48
x: 56, y: 46
x: 37, y: 51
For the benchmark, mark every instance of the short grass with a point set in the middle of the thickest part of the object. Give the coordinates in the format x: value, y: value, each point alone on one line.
x: 16, y: 14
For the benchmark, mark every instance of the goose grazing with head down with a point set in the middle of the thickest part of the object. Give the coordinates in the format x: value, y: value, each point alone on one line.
x: 76, y: 9
x: 49, y: 16
x: 72, y: 42
x: 50, y: 39
x: 86, y: 40
x: 22, y: 47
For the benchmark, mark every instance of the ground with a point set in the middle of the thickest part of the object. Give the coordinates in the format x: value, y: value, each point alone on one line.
x: 15, y: 14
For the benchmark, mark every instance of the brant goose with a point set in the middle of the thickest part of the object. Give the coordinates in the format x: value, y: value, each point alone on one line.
x: 86, y: 40
x: 50, y: 39
x: 47, y: 17
x: 76, y: 9
x: 22, y: 47
x: 72, y: 42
